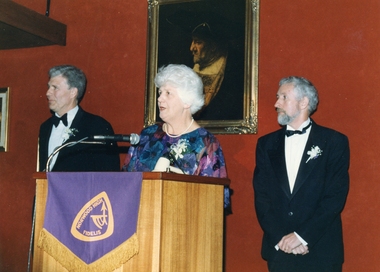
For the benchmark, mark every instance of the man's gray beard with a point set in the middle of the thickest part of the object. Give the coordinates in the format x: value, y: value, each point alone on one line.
x: 284, y: 119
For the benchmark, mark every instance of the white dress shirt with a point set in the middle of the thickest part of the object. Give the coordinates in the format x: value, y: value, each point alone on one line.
x: 294, y: 148
x: 57, y: 136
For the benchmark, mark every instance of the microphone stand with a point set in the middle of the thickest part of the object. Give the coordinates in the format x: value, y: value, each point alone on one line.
x: 56, y: 150
x: 69, y: 144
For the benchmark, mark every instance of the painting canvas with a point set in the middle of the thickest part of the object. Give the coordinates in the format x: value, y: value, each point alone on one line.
x: 219, y: 40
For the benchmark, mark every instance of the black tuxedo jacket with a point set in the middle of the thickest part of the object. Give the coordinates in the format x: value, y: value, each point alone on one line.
x: 81, y: 157
x: 313, y: 209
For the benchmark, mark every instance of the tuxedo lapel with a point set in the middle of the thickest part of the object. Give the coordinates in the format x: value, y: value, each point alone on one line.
x: 277, y: 159
x: 44, y: 142
x: 74, y: 124
x: 305, y: 169
x: 77, y: 119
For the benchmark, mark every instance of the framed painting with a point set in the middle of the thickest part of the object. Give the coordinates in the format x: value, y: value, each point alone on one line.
x: 4, y: 105
x: 219, y: 40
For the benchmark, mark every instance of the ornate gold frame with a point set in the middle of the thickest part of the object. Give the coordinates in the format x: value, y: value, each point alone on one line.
x: 4, y: 110
x: 248, y: 123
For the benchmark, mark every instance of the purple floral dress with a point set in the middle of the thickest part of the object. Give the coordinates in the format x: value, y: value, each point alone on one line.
x: 195, y: 153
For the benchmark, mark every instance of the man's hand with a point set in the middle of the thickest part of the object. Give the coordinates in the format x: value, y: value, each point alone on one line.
x: 301, y: 249
x: 291, y: 244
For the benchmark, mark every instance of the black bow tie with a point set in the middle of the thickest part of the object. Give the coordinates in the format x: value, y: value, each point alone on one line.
x: 56, y: 119
x: 292, y: 132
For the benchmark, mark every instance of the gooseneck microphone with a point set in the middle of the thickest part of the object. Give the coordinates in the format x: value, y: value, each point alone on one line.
x: 100, y: 139
x: 132, y: 138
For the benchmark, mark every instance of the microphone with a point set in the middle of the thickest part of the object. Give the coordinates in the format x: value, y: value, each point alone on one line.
x: 67, y: 144
x: 133, y: 138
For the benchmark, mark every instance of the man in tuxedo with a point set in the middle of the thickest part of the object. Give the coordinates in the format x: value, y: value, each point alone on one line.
x: 301, y: 184
x: 69, y: 122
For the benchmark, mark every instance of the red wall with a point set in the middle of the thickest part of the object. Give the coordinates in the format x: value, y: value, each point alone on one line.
x: 333, y: 43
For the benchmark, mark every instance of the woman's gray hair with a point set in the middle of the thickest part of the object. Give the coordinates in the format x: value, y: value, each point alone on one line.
x: 187, y: 83
x: 303, y: 88
x: 74, y: 76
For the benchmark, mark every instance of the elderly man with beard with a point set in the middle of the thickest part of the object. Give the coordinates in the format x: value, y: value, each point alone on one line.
x: 216, y: 44
x: 301, y: 184
x: 210, y: 58
x: 221, y: 68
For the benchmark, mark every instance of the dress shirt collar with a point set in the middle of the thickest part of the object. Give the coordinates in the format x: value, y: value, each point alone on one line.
x: 70, y: 115
x: 304, y: 124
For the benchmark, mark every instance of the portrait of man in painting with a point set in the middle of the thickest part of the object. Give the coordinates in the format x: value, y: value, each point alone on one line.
x: 208, y: 36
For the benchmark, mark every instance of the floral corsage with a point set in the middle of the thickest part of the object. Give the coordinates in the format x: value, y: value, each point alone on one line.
x: 314, y: 153
x: 179, y: 149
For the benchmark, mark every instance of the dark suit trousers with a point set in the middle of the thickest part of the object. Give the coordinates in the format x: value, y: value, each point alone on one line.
x: 292, y: 267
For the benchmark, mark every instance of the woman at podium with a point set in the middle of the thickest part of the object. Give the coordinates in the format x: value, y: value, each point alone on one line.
x: 178, y: 144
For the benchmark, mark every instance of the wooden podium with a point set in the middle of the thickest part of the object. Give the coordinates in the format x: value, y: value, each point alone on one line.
x: 180, y: 225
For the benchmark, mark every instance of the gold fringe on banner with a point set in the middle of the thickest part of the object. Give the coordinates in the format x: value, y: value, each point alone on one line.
x: 109, y: 262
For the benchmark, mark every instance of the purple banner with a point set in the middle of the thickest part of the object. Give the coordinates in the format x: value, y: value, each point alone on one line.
x: 92, y: 213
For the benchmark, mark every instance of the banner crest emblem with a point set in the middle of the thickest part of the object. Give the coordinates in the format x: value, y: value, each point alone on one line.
x: 95, y: 220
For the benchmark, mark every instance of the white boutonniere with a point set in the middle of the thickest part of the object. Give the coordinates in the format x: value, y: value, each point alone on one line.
x: 314, y: 153
x: 68, y: 132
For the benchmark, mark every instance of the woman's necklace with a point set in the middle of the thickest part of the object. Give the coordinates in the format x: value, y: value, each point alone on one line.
x: 175, y: 136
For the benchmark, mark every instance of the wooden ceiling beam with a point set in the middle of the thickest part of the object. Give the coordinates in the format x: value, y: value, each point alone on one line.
x: 21, y: 27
